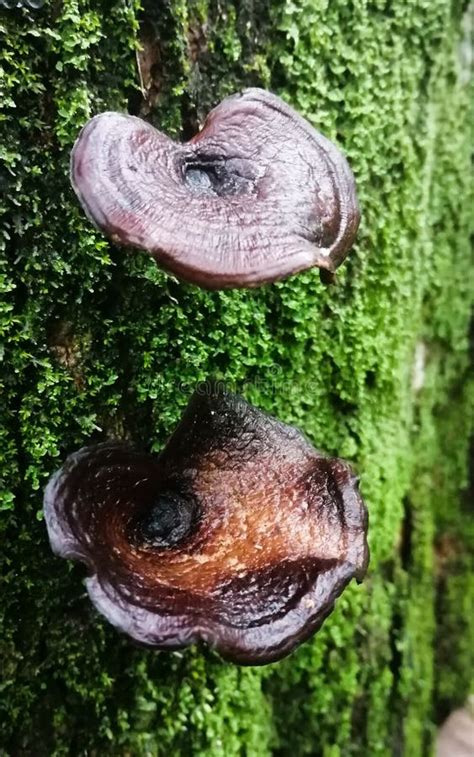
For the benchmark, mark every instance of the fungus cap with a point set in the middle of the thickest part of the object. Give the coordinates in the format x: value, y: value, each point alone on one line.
x: 258, y: 194
x: 239, y: 533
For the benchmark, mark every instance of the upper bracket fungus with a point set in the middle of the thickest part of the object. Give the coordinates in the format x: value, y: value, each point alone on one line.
x: 257, y: 195
x: 239, y: 533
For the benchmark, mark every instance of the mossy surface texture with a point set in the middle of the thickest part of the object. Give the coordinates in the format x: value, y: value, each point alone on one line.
x: 97, y: 343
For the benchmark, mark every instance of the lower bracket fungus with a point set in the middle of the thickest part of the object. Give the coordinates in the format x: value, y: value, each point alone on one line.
x: 239, y: 534
x: 257, y: 195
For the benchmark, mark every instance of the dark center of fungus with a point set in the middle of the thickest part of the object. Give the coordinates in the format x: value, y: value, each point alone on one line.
x: 216, y: 176
x: 168, y: 521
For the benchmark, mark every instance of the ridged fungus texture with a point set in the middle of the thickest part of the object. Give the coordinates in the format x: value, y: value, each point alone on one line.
x: 258, y: 194
x: 239, y: 534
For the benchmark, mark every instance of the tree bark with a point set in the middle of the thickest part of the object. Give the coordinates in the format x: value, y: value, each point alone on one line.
x: 98, y: 343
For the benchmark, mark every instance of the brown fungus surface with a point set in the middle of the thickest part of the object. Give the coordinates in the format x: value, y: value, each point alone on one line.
x: 257, y: 195
x: 239, y: 533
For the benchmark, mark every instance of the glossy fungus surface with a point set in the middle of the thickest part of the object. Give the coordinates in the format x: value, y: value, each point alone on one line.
x: 239, y: 533
x: 258, y: 194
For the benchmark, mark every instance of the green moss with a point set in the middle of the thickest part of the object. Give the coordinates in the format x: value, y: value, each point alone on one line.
x: 96, y: 342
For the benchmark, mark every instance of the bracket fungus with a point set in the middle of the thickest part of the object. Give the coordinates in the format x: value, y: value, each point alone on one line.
x: 239, y: 534
x: 257, y: 195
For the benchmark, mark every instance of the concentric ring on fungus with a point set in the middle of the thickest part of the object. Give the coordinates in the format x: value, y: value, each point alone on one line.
x: 239, y: 534
x: 257, y: 195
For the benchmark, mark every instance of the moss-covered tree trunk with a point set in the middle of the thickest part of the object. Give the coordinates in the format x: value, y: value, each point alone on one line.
x: 97, y: 343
